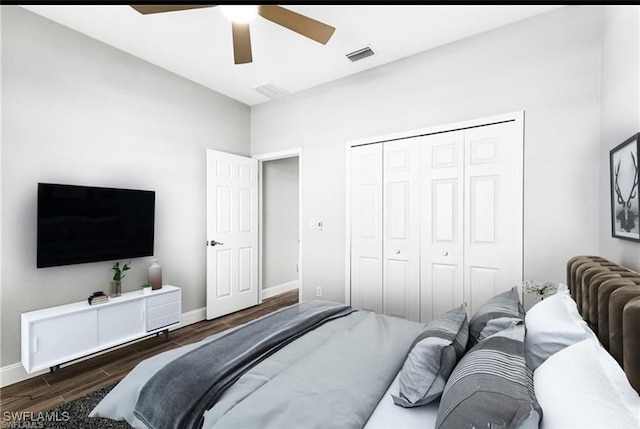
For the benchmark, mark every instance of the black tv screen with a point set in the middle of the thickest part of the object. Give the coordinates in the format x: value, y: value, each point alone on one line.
x: 79, y: 224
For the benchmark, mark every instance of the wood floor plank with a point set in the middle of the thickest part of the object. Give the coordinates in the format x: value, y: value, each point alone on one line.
x: 201, y: 334
x: 231, y: 319
x: 85, y: 389
x: 63, y: 382
x: 35, y: 407
x: 248, y: 317
x: 129, y: 362
x: 69, y: 379
x: 23, y: 386
x: 94, y: 363
x: 38, y: 404
x: 74, y: 381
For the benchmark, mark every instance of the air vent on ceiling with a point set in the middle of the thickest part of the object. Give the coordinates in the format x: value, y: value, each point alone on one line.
x: 360, y: 53
x: 271, y: 90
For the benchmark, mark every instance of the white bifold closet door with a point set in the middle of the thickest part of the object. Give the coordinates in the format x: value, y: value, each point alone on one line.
x: 366, y: 227
x: 401, y: 228
x: 493, y: 221
x: 471, y: 246
x: 436, y: 221
x: 442, y: 240
x: 385, y: 228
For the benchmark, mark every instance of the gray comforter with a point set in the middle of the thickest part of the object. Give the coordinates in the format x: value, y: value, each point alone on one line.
x: 193, y: 382
x: 332, y: 377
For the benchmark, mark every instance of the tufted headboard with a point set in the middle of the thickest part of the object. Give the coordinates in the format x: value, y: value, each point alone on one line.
x: 608, y: 299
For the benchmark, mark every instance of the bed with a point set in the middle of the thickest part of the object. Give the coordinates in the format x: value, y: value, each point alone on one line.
x: 324, y: 365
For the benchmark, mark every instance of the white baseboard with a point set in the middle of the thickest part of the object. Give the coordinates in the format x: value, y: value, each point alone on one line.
x: 15, y: 373
x: 277, y: 290
x: 192, y: 317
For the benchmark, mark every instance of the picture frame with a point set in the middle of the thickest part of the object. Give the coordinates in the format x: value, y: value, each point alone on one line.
x: 625, y: 198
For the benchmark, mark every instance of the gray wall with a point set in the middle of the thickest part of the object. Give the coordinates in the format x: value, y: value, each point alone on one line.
x: 548, y: 66
x: 620, y: 115
x: 280, y: 222
x: 75, y: 110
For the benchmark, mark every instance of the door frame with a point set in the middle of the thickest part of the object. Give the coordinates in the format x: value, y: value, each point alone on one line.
x: 272, y: 156
x: 517, y: 117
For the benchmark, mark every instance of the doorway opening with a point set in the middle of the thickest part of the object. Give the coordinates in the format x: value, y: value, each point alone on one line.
x: 279, y: 265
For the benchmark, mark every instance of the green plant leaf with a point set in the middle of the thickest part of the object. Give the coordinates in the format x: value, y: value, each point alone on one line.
x: 118, y: 275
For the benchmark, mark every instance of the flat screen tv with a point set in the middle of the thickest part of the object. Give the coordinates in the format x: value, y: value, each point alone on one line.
x: 79, y: 224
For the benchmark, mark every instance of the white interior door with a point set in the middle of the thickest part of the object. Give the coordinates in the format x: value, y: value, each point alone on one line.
x: 442, y: 213
x: 366, y: 227
x: 232, y: 233
x: 493, y: 211
x: 401, y: 228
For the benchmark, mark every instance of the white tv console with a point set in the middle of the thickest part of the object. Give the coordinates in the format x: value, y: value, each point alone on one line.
x: 56, y: 335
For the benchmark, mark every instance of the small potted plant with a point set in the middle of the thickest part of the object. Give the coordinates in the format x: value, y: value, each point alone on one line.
x: 115, y: 285
x: 537, y: 290
x: 540, y: 289
x: 146, y: 288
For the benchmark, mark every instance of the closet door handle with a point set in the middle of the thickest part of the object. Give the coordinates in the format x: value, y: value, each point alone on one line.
x: 445, y: 253
x: 214, y: 243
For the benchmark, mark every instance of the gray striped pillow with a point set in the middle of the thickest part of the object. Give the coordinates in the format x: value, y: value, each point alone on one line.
x: 491, y: 387
x: 495, y: 314
x: 434, y: 354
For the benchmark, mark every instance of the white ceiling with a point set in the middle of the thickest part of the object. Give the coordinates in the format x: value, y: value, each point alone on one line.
x: 197, y: 43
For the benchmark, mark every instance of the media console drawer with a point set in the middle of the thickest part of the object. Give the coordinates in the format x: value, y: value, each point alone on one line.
x: 163, y: 298
x: 162, y: 321
x: 56, y: 335
x: 163, y: 310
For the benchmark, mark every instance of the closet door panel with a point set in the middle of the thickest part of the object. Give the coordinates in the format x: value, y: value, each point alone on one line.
x: 483, y: 209
x: 366, y: 227
x: 442, y: 190
x: 398, y: 287
x: 401, y: 228
x: 493, y: 219
x: 447, y: 291
x: 483, y: 284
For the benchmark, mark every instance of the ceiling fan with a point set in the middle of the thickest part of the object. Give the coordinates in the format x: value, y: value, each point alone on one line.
x: 294, y: 21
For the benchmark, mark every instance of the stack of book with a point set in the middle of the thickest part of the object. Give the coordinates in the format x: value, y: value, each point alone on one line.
x: 98, y: 298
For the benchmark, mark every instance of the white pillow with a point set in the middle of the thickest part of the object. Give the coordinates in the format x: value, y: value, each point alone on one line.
x: 553, y: 324
x: 583, y: 387
x: 562, y: 288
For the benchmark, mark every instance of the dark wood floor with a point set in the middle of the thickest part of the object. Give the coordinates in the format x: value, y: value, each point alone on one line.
x: 76, y: 380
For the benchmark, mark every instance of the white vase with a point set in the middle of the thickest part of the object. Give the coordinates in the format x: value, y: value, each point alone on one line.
x: 155, y: 274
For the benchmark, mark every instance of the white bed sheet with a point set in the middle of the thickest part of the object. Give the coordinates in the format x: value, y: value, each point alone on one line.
x: 388, y: 415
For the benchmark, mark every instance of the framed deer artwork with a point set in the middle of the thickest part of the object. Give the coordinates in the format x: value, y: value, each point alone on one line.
x: 623, y: 168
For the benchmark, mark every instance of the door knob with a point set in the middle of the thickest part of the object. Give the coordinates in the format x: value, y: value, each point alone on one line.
x: 397, y: 252
x: 445, y: 253
x: 214, y: 242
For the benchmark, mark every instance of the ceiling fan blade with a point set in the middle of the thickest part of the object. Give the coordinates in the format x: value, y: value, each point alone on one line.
x: 294, y: 21
x: 158, y: 8
x: 241, y: 43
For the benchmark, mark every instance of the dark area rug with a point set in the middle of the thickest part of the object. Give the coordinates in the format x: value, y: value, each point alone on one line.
x: 73, y: 414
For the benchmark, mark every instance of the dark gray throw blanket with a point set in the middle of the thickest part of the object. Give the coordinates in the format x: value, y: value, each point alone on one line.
x: 178, y: 395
